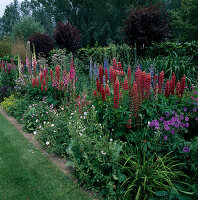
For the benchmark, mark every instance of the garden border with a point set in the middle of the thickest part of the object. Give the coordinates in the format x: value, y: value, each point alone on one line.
x: 59, y: 162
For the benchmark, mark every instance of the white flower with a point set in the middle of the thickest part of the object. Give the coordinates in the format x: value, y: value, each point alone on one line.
x: 85, y: 113
x: 37, y: 121
x: 62, y: 108
x: 77, y: 122
x: 111, y: 140
x: 57, y: 114
x: 149, y: 123
x: 44, y: 122
x: 81, y: 117
x: 40, y: 127
x: 34, y: 132
x: 47, y: 143
x: 52, y: 125
x: 70, y: 117
x: 72, y: 113
x: 47, y: 122
x: 69, y: 122
x: 54, y: 131
x: 84, y: 117
x: 80, y: 134
x: 103, y: 153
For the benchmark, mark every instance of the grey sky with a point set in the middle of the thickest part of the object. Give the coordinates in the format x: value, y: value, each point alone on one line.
x: 3, y: 4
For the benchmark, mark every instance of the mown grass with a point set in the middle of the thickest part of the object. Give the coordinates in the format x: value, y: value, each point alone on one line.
x: 26, y: 174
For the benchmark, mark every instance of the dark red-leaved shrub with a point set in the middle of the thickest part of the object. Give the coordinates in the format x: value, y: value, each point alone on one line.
x: 145, y: 25
x: 67, y: 36
x: 42, y: 42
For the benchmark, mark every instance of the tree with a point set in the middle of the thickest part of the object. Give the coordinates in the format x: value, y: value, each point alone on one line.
x: 25, y: 28
x: 145, y: 25
x: 10, y: 17
x: 185, y: 21
x: 67, y: 36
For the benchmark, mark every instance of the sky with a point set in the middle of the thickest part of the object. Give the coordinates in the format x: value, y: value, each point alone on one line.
x: 3, y: 4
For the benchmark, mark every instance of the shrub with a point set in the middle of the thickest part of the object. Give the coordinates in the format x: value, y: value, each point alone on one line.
x: 67, y: 36
x: 8, y: 102
x: 146, y: 25
x: 42, y: 42
x: 24, y: 28
x: 18, y: 108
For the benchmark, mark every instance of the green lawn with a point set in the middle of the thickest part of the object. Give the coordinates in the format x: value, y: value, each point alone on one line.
x: 26, y: 174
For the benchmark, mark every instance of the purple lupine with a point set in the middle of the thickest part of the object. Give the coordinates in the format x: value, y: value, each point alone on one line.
x: 91, y: 69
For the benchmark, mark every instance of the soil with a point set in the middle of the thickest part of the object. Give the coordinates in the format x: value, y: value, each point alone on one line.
x: 59, y: 162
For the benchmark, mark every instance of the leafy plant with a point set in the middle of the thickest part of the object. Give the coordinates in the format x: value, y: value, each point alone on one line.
x: 8, y: 102
x: 147, y: 175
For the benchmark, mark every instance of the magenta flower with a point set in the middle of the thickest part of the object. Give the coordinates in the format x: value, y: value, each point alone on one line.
x: 186, y: 119
x: 186, y: 149
x: 185, y: 109
x: 165, y: 137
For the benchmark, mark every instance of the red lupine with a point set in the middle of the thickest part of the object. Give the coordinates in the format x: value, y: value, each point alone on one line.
x: 57, y: 69
x: 41, y: 78
x: 143, y: 83
x: 95, y: 93
x: 45, y: 73
x: 37, y: 82
x: 129, y: 124
x: 46, y: 89
x: 178, y: 88
x: 33, y: 82
x: 42, y: 88
x: 135, y: 99
x: 114, y: 64
x: 126, y: 84
x: 167, y: 88
x: 138, y: 82
x: 173, y: 83
x: 103, y: 93
x: 51, y: 75
x: 107, y: 90
x: 116, y: 94
x: 101, y: 75
x: 106, y: 76
x: 182, y: 86
x: 112, y: 75
x: 148, y: 85
x: 161, y: 81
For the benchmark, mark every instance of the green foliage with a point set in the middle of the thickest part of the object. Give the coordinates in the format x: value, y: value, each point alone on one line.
x: 18, y: 108
x: 55, y: 134
x: 5, y: 47
x: 123, y: 53
x: 185, y: 21
x: 94, y: 155
x: 146, y: 175
x: 23, y: 29
x: 8, y: 102
x: 173, y: 63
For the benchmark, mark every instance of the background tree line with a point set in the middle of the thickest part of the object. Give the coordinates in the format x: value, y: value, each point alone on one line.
x: 98, y: 21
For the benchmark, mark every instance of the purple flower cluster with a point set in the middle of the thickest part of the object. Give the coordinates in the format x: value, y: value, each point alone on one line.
x: 174, y: 124
x: 186, y: 149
